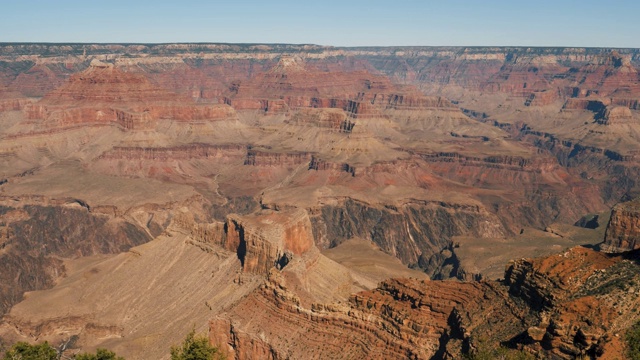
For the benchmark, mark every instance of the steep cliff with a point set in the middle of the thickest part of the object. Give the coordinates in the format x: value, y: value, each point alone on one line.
x: 418, y: 233
x: 623, y: 230
x: 270, y: 239
x: 557, y: 307
x: 35, y: 237
x: 104, y: 94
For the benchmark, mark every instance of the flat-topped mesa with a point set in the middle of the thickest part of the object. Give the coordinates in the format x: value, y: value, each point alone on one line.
x: 268, y: 239
x: 623, y: 230
x: 294, y: 84
x: 104, y: 94
x: 605, y: 75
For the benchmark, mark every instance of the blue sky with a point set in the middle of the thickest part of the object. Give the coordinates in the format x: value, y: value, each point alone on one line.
x: 614, y: 23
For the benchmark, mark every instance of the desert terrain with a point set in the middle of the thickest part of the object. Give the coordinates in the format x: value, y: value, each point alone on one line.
x: 304, y: 201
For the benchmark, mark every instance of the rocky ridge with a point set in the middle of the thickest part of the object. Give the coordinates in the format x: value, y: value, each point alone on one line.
x: 539, y: 307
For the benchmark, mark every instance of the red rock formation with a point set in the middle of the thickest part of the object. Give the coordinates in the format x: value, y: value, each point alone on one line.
x: 522, y: 79
x: 105, y: 95
x: 270, y: 239
x: 334, y: 119
x: 257, y: 157
x: 542, y: 98
x: 293, y: 84
x: 185, y: 152
x: 614, y: 115
x: 604, y: 76
x: 13, y: 104
x: 623, y: 230
x: 39, y: 80
x: 558, y: 307
x: 592, y: 104
x: 573, y: 292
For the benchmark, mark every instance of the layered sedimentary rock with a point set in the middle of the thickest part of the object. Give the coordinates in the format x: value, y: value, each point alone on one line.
x: 300, y: 85
x: 258, y: 157
x: 36, y: 233
x: 103, y: 94
x: 615, y: 115
x: 401, y: 319
x: 266, y: 240
x: 574, y: 291
x: 418, y: 233
x: 623, y: 230
x: 184, y: 152
x: 541, y: 308
x: 334, y: 119
x: 542, y: 98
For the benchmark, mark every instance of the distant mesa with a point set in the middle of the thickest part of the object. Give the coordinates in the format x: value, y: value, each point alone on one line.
x: 287, y: 64
x: 104, y: 94
x: 293, y: 84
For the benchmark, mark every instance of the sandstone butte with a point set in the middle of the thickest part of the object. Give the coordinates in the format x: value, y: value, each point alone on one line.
x: 300, y: 201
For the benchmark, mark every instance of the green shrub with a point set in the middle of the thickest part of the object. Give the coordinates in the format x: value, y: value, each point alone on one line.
x: 195, y: 347
x: 485, y: 352
x: 25, y: 351
x: 633, y: 342
x: 101, y: 354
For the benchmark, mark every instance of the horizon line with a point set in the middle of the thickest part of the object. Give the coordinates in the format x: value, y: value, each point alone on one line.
x: 3, y: 43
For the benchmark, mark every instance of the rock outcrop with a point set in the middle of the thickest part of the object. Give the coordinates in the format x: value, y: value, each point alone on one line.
x: 558, y: 307
x: 267, y: 240
x: 103, y: 94
x: 623, y: 230
x: 36, y: 234
x: 418, y: 233
x: 261, y: 240
x: 615, y: 115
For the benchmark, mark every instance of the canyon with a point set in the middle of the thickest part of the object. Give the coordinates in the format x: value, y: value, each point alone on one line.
x: 304, y: 201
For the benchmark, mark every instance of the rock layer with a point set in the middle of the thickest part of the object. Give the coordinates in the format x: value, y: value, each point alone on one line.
x: 623, y: 230
x: 540, y: 307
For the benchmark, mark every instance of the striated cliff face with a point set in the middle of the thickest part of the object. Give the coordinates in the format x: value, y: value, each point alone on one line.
x: 257, y: 157
x: 417, y: 233
x: 266, y: 240
x: 334, y: 119
x: 623, y: 230
x: 261, y: 240
x: 370, y: 324
x: 184, y: 152
x: 36, y: 235
x: 557, y: 307
x: 103, y: 94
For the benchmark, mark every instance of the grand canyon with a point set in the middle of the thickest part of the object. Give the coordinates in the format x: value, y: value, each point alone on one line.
x: 316, y: 202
